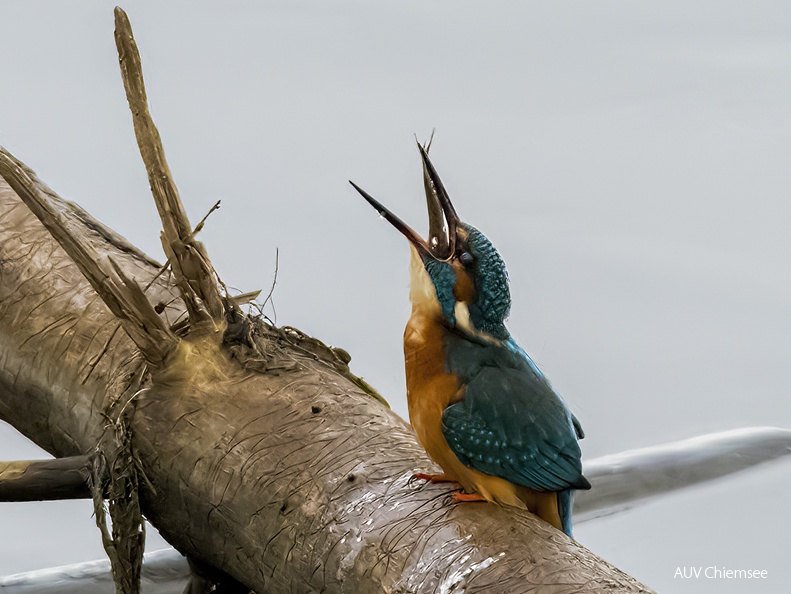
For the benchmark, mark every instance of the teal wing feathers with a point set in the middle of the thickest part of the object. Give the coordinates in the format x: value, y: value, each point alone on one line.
x: 510, y: 423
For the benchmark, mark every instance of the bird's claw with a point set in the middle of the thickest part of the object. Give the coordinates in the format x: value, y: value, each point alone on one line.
x: 432, y: 478
x: 462, y: 497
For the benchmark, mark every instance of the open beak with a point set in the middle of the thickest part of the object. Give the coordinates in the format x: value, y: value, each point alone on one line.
x: 442, y: 218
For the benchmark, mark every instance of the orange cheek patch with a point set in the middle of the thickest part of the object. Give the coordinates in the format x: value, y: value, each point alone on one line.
x: 464, y: 290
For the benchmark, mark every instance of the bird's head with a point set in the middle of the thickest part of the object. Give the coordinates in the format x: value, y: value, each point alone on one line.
x: 456, y: 274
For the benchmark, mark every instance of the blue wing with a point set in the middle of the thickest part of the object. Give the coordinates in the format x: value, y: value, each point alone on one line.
x: 510, y: 422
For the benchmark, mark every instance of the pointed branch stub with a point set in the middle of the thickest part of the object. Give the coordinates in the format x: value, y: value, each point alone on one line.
x: 193, y: 272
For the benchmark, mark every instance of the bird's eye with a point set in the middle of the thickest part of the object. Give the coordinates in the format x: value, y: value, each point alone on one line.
x: 466, y: 258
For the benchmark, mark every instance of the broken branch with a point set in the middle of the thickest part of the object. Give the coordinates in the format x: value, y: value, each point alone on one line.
x: 45, y: 480
x: 192, y: 269
x: 138, y: 317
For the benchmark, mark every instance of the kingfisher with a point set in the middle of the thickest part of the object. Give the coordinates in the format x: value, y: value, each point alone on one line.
x: 479, y: 405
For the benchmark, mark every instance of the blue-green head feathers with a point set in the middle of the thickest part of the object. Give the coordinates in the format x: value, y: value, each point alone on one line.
x: 492, y: 302
x: 444, y: 278
x: 475, y: 275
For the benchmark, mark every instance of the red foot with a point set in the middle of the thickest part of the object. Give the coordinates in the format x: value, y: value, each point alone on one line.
x: 469, y: 498
x: 433, y: 478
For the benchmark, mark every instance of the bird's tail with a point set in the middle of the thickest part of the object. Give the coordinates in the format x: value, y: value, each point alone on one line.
x: 564, y: 510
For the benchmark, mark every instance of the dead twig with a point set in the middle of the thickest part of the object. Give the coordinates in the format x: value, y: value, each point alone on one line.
x: 195, y: 231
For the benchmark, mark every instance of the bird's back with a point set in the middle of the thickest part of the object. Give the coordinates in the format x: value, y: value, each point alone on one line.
x: 510, y: 422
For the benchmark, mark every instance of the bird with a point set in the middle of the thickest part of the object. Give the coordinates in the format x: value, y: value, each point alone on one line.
x: 479, y: 405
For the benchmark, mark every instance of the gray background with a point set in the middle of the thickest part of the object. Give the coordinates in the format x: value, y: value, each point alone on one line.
x: 630, y: 161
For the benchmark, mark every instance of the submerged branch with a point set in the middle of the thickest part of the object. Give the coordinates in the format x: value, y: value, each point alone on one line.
x: 45, y: 480
x: 628, y: 478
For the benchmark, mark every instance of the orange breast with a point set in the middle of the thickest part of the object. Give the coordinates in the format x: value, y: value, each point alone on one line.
x: 431, y: 389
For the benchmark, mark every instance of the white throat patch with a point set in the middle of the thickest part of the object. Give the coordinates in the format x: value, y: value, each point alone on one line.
x: 463, y: 321
x: 422, y: 293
